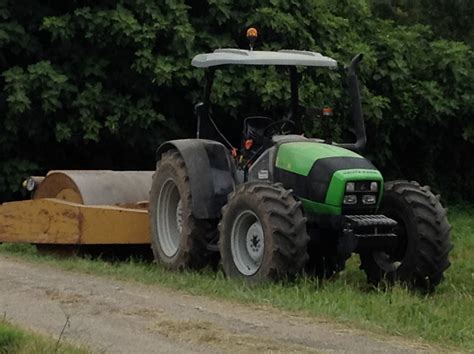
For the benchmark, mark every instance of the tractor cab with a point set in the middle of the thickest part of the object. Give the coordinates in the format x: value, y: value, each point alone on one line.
x: 257, y: 128
x: 261, y: 132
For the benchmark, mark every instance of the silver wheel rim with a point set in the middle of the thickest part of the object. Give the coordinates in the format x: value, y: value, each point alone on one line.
x: 169, y: 220
x: 247, y: 243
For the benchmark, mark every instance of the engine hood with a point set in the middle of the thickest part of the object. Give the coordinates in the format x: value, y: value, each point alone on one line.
x: 299, y: 157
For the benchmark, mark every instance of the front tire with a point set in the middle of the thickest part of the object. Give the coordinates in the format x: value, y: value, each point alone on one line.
x: 178, y: 239
x: 423, y: 246
x: 262, y: 234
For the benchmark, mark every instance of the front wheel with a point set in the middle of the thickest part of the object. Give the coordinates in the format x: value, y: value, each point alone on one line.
x: 262, y: 234
x: 421, y: 254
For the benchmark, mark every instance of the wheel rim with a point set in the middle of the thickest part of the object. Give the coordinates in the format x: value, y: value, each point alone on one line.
x: 169, y: 221
x: 247, y: 243
x: 391, y: 261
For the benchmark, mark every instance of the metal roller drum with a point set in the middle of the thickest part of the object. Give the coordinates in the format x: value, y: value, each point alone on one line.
x: 101, y: 187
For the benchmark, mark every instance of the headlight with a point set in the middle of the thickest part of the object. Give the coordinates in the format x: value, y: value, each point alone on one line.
x: 350, y: 199
x: 374, y: 187
x: 369, y: 199
x: 350, y: 187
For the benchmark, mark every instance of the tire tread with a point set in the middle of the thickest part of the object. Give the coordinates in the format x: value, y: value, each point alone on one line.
x: 430, y: 256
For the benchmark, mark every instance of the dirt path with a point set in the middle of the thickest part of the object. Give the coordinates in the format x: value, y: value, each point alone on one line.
x: 116, y: 316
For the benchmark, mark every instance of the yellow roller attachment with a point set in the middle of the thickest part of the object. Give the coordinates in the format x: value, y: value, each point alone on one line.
x: 54, y: 221
x: 101, y: 187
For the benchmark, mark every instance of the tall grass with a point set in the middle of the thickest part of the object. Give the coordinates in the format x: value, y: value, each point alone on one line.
x: 14, y: 340
x: 446, y: 317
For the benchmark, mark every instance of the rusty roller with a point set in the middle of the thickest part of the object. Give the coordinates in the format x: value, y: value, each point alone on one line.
x: 96, y: 187
x: 80, y: 208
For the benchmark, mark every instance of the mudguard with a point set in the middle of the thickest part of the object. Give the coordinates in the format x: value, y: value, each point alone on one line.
x: 210, y: 171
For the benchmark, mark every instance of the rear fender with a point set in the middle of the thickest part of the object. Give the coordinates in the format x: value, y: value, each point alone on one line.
x: 210, y: 170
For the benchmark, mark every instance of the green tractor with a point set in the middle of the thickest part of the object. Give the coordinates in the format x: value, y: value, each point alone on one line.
x: 283, y: 204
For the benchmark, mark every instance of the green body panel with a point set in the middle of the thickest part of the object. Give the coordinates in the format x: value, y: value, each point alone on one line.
x: 299, y: 157
x: 337, y: 186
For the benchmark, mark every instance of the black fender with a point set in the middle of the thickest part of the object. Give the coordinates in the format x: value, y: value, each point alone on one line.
x: 210, y: 170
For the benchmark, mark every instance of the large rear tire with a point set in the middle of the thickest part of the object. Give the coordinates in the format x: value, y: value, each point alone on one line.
x: 262, y: 234
x: 421, y: 254
x: 178, y: 239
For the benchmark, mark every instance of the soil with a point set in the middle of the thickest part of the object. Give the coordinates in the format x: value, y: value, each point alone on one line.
x: 107, y: 315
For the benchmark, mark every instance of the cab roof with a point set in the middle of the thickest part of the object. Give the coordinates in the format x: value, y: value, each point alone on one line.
x: 254, y: 57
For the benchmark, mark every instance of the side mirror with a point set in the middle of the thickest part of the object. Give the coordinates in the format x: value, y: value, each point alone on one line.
x: 198, y: 107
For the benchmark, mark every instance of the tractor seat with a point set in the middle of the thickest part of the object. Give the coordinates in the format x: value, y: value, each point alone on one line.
x: 254, y: 130
x: 254, y: 127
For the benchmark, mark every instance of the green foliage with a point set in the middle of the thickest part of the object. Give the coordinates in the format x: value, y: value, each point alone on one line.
x: 100, y: 85
x: 449, y: 18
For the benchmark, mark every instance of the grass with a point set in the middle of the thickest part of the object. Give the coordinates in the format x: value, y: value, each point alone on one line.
x: 445, y: 318
x: 14, y: 340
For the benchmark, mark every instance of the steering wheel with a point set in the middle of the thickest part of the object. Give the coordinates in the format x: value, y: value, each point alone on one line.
x: 277, y: 127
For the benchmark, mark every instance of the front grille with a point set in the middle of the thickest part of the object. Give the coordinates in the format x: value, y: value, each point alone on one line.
x: 361, y: 188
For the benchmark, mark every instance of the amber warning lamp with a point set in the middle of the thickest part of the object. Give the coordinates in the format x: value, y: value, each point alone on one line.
x: 252, y: 35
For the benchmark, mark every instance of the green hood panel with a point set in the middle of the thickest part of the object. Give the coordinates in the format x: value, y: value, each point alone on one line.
x: 299, y: 157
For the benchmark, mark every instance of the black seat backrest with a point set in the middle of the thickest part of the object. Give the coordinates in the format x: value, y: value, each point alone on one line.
x: 254, y: 128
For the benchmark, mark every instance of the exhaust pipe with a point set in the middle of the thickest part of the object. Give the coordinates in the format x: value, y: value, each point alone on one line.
x: 356, y: 107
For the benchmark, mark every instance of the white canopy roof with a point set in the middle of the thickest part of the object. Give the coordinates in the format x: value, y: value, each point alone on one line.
x: 247, y: 57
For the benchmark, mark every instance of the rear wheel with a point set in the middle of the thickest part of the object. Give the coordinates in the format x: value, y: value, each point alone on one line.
x: 421, y: 254
x: 262, y: 233
x: 178, y: 239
